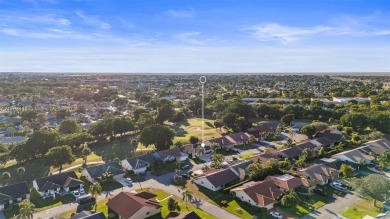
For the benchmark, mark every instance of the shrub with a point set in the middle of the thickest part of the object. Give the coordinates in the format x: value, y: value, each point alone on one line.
x: 239, y: 210
x: 224, y: 202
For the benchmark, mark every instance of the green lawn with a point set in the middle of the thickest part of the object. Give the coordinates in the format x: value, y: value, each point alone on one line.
x: 193, y: 127
x: 360, y: 209
x: 305, y: 206
x: 182, y: 206
x: 34, y: 169
x: 106, y: 186
x: 246, y: 156
x: 164, y: 169
x: 43, y: 204
x: 234, y: 206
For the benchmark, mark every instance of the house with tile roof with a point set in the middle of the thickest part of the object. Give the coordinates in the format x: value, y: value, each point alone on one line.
x: 13, y: 194
x: 377, y: 147
x: 356, y: 155
x: 223, y: 142
x: 285, y: 181
x: 59, y: 184
x: 318, y: 174
x: 128, y: 205
x: 97, y: 172
x: 260, y: 194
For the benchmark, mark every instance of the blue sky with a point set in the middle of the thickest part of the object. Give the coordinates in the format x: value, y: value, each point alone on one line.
x: 194, y: 36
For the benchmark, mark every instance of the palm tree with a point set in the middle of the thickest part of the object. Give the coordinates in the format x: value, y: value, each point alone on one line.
x: 172, y: 204
x: 199, y: 150
x: 21, y: 171
x: 26, y: 209
x: 134, y: 145
x: 95, y: 189
x: 187, y: 196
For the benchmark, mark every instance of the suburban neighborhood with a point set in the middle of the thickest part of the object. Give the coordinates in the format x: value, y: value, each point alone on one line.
x: 122, y: 148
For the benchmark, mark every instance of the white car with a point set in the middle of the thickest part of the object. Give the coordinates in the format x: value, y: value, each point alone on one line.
x: 276, y: 214
x: 82, y: 191
x: 76, y: 194
x: 129, y: 181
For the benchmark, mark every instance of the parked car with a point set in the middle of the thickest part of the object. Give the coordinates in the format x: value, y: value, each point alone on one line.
x: 185, y: 175
x: 276, y: 214
x: 82, y: 191
x: 185, y: 167
x: 129, y: 181
x: 86, y: 199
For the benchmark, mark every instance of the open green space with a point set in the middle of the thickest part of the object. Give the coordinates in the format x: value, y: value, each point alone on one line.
x: 360, y: 209
x: 307, y: 204
x: 193, y: 127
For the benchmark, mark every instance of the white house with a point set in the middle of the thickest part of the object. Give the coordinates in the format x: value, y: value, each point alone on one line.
x: 171, y: 154
x: 13, y: 194
x: 51, y: 185
x: 138, y: 164
x: 96, y: 172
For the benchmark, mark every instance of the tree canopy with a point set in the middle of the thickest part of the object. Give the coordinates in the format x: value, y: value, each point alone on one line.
x: 158, y: 135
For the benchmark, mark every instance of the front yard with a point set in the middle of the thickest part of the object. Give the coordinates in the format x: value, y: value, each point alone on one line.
x: 306, y: 205
x: 234, y: 206
x: 360, y: 209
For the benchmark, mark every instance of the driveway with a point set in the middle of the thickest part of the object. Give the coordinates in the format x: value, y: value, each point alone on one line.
x: 332, y: 210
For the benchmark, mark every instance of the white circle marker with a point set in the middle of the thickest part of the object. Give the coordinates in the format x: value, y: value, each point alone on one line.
x: 202, y: 80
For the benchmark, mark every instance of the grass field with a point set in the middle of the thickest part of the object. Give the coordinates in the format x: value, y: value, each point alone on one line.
x: 305, y: 206
x: 193, y: 127
x: 360, y: 209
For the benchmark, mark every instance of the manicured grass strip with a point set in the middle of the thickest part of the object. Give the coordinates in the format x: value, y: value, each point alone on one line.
x: 360, y: 209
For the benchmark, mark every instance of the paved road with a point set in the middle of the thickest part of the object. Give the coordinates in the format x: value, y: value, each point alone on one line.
x: 332, y: 210
x: 162, y: 182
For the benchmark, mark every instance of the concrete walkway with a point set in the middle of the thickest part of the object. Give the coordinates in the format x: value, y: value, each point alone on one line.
x: 161, y: 182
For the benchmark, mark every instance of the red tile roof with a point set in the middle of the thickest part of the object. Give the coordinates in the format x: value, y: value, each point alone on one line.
x: 126, y: 204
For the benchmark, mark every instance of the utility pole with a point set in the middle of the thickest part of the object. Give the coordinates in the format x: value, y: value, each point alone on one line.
x: 202, y: 80
x: 136, y: 166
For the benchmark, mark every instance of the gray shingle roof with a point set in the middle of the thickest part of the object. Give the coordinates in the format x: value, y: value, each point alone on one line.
x: 99, y: 170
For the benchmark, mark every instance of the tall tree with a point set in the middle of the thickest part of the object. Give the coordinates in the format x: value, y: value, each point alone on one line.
x: 383, y: 159
x: 59, y: 156
x: 85, y: 153
x: 346, y: 170
x: 287, y: 119
x: 373, y: 186
x: 172, y: 204
x: 187, y: 196
x: 158, y: 135
x: 145, y: 120
x: 95, y: 189
x: 290, y: 198
x: 217, y: 159
x: 69, y: 126
x: 26, y: 209
x: 165, y: 112
x: 309, y: 130
x: 194, y: 139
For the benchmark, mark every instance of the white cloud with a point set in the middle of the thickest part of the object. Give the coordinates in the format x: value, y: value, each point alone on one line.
x: 364, y: 26
x: 193, y: 38
x: 285, y: 34
x: 180, y: 13
x: 93, y: 20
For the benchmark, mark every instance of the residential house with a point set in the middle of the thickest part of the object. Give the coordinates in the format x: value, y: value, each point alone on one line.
x: 335, y: 164
x: 171, y: 154
x: 96, y: 173
x: 223, y: 142
x: 88, y: 215
x: 217, y: 179
x: 376, y: 147
x: 333, y: 134
x: 138, y: 164
x: 257, y: 130
x: 62, y: 183
x: 12, y: 140
x: 318, y: 174
x: 13, y: 194
x: 128, y: 205
x: 263, y: 158
x: 285, y: 181
x: 290, y: 153
x: 192, y: 150
x: 356, y: 155
x: 239, y: 138
x: 311, y: 145
x: 260, y: 194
